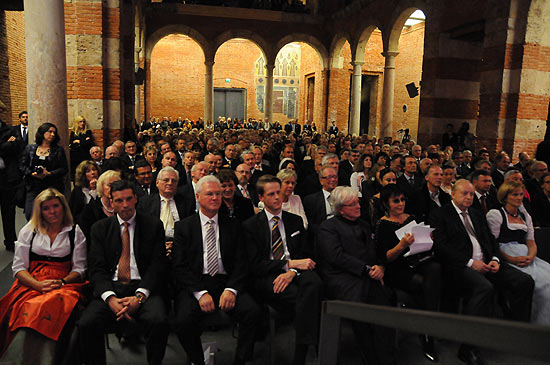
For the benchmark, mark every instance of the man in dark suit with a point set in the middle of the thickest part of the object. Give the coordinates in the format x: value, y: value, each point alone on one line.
x: 166, y: 204
x: 317, y: 206
x: 210, y: 269
x: 502, y: 164
x: 410, y: 181
x: 292, y: 127
x: 130, y: 156
x: 484, y: 197
x: 470, y: 256
x: 198, y: 171
x: 127, y: 270
x: 229, y: 161
x: 345, y: 168
x: 144, y: 179
x: 244, y: 188
x: 351, y: 271
x: 10, y: 177
x: 282, y: 271
x: 333, y: 129
x: 430, y: 196
x: 22, y: 130
x: 259, y: 169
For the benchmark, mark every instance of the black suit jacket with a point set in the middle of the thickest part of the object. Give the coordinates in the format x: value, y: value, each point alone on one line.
x: 242, y: 208
x: 344, y: 173
x: 422, y: 204
x: 452, y: 243
x: 498, y: 178
x: 148, y: 251
x: 408, y: 189
x: 150, y: 205
x: 188, y: 262
x: 251, y: 191
x: 17, y: 133
x: 316, y: 211
x: 140, y: 192
x: 258, y: 243
x: 491, y: 200
x: 345, y: 248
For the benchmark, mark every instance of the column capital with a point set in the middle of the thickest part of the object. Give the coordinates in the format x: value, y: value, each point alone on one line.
x: 390, y: 53
x: 357, y: 63
x: 270, y: 67
x: 209, y: 63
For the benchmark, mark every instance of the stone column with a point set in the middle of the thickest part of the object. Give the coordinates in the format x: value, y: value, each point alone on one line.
x: 388, y: 94
x: 137, y: 96
x: 355, y: 100
x: 46, y: 66
x: 268, y: 103
x: 209, y: 91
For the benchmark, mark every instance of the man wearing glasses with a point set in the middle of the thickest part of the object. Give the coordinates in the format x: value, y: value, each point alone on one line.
x: 317, y: 205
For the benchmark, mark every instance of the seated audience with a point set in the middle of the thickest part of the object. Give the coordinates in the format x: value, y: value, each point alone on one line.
x: 291, y: 203
x: 512, y: 228
x: 85, y: 185
x: 418, y: 275
x: 280, y: 267
x: 469, y: 257
x: 430, y: 196
x: 127, y: 270
x: 235, y: 206
x: 99, y: 208
x: 143, y: 174
x: 49, y: 266
x: 210, y: 271
x: 351, y: 271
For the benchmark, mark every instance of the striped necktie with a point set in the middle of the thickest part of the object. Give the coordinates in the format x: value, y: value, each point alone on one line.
x: 276, y: 240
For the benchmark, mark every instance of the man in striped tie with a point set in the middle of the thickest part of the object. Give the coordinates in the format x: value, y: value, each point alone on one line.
x: 282, y: 270
x: 209, y: 272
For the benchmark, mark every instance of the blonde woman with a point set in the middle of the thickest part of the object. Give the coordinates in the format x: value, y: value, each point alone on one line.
x: 49, y: 266
x: 80, y: 142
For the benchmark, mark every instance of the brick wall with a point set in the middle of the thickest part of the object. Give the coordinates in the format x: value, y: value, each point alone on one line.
x: 13, y: 81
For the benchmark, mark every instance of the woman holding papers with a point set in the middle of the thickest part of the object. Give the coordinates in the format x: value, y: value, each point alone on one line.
x: 420, y: 279
x: 512, y: 227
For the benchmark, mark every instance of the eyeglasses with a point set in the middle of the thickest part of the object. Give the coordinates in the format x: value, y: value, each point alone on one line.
x: 329, y: 177
x: 399, y: 200
x: 352, y: 204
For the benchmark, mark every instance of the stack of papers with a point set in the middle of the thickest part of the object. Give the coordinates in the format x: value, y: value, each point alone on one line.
x: 422, y: 237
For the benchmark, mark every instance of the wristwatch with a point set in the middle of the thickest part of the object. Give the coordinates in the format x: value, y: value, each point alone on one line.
x: 295, y: 271
x: 140, y: 297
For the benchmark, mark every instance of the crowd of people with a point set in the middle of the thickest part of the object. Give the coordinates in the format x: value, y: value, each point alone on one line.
x: 237, y: 216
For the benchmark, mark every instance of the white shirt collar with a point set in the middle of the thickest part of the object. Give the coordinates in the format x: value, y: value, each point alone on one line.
x: 130, y: 221
x: 270, y: 216
x: 326, y: 193
x: 204, y: 219
x: 457, y: 208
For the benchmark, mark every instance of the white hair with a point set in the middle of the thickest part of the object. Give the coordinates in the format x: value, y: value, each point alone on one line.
x: 204, y: 180
x: 166, y: 170
x: 340, y: 196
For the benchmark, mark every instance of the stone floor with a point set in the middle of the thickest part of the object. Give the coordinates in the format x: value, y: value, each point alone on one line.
x: 409, y: 350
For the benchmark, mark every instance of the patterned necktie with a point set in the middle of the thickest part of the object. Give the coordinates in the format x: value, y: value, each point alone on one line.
x: 483, y: 201
x: 124, y: 261
x: 276, y: 240
x: 245, y: 192
x: 166, y: 215
x: 467, y: 224
x: 211, y: 250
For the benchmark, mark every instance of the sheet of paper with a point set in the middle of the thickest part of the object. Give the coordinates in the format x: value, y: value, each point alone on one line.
x: 422, y: 234
x: 404, y: 230
x: 419, y: 247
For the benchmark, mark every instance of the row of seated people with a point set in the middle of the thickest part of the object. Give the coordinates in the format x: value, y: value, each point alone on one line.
x: 216, y: 261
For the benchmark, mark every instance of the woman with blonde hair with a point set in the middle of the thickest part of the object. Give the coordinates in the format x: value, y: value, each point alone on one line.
x: 80, y: 142
x: 85, y: 184
x: 291, y: 203
x: 101, y: 207
x: 49, y: 266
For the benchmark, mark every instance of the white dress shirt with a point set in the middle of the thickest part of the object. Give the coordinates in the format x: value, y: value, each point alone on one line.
x: 328, y: 207
x: 134, y: 272
x: 477, y: 253
x: 169, y: 231
x: 221, y: 270
x: 42, y: 245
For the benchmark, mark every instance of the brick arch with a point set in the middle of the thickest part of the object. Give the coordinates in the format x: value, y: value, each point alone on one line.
x: 391, y: 35
x: 156, y: 36
x: 244, y: 34
x: 336, y: 46
x: 358, y: 52
x: 304, y: 38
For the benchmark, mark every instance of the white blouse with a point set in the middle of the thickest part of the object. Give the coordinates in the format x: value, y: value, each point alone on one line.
x: 494, y: 219
x: 353, y: 181
x: 41, y: 246
x: 294, y: 205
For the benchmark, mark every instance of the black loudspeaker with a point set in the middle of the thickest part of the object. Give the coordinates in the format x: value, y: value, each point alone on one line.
x: 412, y: 89
x: 140, y: 76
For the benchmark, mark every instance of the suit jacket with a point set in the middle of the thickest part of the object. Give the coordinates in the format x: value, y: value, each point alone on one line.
x: 19, y: 136
x: 498, y: 178
x: 188, y: 262
x: 408, y: 189
x: 259, y: 173
x: 452, y: 244
x: 188, y: 194
x: 140, y: 192
x: 422, y: 204
x: 258, y: 243
x: 316, y: 211
x: 344, y: 173
x: 150, y: 205
x: 242, y: 208
x: 9, y: 152
x: 541, y: 211
x: 149, y: 252
x: 127, y: 162
x: 345, y: 247
x: 251, y: 191
x: 491, y: 200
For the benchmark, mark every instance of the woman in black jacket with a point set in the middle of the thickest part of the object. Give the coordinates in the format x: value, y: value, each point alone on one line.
x: 43, y: 165
x: 80, y: 142
x: 85, y: 185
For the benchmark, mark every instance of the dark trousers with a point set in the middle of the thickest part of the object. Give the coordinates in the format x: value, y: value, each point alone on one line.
x: 480, y: 291
x: 99, y: 318
x: 7, y: 206
x: 189, y: 315
x: 423, y: 283
x: 302, y: 297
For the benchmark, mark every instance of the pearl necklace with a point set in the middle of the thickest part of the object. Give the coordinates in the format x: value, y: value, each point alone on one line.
x: 510, y: 214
